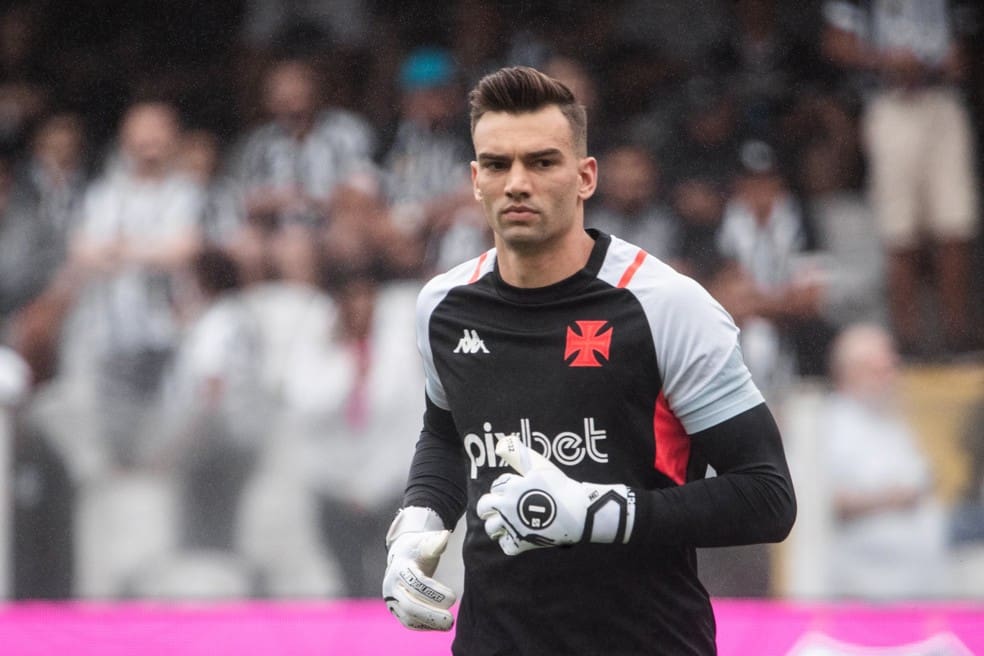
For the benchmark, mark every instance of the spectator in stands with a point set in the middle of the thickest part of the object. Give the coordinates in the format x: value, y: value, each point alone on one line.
x: 425, y: 182
x: 363, y: 237
x: 223, y: 211
x: 710, y: 133
x: 888, y: 525
x: 764, y: 60
x: 920, y: 147
x: 345, y: 395
x: 38, y: 208
x: 215, y: 411
x: 289, y: 166
x: 139, y: 226
x: 846, y: 234
x: 291, y: 304
x: 699, y: 203
x: 764, y: 232
x: 56, y: 174
x: 630, y: 206
x: 38, y: 284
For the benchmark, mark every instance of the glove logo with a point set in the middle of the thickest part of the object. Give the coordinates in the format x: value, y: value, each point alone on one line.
x: 537, y: 509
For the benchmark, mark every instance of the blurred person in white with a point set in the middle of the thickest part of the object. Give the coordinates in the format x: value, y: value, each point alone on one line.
x: 215, y: 412
x: 887, y: 535
x: 289, y: 300
x: 919, y: 144
x: 429, y: 193
x: 344, y: 396
x: 139, y: 225
x: 630, y: 206
x: 290, y: 165
x: 764, y: 233
x: 284, y: 294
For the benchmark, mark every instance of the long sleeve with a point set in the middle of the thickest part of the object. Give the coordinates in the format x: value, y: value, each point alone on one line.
x: 439, y: 470
x: 750, y: 500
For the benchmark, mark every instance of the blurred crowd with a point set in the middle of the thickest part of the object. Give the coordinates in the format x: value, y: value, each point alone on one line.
x: 215, y: 217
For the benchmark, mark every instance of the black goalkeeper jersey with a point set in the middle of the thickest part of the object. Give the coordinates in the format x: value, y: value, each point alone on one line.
x: 606, y: 373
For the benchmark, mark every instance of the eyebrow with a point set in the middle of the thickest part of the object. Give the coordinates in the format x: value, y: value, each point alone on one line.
x: 537, y: 154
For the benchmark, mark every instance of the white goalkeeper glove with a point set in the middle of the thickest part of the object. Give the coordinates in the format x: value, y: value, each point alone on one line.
x: 542, y: 507
x: 415, y: 541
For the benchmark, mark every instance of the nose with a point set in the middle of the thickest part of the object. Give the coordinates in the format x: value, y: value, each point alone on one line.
x: 517, y: 182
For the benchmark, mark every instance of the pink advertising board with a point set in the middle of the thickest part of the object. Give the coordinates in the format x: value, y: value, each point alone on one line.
x: 364, y: 628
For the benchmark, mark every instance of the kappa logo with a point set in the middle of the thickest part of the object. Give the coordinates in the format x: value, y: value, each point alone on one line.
x: 587, y: 343
x: 470, y: 343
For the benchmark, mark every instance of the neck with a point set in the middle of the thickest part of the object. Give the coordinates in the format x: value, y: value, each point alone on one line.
x: 544, y: 265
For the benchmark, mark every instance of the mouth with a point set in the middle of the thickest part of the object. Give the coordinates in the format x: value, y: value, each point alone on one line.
x: 519, y: 212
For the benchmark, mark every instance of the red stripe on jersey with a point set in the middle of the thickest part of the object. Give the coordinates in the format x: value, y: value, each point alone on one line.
x: 478, y: 267
x: 636, y: 263
x: 671, y: 442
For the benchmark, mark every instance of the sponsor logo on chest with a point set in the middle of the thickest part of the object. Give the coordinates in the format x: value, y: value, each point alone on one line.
x: 565, y: 448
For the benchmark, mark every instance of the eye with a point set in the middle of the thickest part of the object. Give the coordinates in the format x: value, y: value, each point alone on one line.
x: 493, y: 165
x: 544, y: 163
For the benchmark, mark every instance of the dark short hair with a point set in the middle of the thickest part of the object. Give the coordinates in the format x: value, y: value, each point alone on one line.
x: 519, y: 89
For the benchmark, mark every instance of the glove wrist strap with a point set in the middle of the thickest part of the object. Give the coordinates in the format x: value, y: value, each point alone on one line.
x: 413, y: 519
x: 610, y: 514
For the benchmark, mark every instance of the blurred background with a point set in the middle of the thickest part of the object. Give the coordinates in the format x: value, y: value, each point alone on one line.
x: 215, y: 217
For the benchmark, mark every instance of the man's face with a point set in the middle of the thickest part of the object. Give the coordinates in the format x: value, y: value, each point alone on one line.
x: 150, y: 137
x: 290, y: 95
x: 528, y: 177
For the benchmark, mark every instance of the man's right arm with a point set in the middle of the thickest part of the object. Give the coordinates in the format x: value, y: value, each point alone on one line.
x: 435, y: 498
x: 439, y: 470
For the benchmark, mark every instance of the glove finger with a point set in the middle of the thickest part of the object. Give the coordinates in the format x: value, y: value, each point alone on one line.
x: 486, y: 505
x: 495, y: 526
x: 429, y: 551
x: 509, y: 544
x: 415, y: 615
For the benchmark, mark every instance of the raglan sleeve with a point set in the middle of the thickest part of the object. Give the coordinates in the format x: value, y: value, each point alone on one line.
x: 711, y: 392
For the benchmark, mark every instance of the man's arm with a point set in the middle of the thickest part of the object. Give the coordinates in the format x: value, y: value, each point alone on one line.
x: 434, y: 500
x: 750, y: 500
x: 439, y: 470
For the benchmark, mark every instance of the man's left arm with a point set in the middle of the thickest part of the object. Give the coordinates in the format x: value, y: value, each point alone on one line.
x: 750, y: 500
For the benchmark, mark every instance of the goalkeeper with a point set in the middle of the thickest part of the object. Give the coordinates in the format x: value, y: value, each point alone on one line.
x: 577, y: 389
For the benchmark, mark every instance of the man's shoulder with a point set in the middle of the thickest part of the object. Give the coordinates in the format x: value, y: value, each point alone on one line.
x: 630, y: 266
x: 466, y: 273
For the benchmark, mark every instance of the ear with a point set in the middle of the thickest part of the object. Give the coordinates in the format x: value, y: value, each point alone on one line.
x: 587, y: 171
x: 474, y: 177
